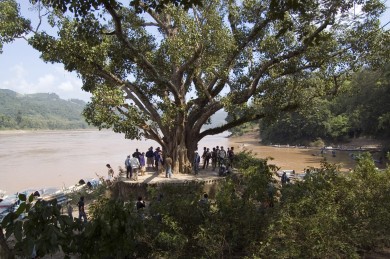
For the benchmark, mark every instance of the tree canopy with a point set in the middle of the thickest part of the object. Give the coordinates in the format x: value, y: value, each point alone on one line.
x: 162, y: 73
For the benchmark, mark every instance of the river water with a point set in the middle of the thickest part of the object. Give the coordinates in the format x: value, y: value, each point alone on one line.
x: 42, y: 159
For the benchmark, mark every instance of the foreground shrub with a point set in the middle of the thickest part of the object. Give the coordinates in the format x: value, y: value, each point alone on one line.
x: 330, y: 215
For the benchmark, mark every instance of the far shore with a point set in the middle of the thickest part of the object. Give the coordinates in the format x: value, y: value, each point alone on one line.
x: 13, y: 132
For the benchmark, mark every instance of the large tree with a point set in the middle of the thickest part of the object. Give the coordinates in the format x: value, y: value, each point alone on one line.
x: 161, y: 73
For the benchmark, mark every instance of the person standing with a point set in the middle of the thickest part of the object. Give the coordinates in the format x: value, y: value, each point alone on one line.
x: 270, y: 192
x: 214, y: 157
x: 82, y: 214
x: 160, y: 162
x: 135, y: 165
x: 207, y: 159
x: 141, y: 159
x: 231, y: 155
x: 69, y: 209
x: 284, y: 178
x: 204, y: 157
x: 110, y: 173
x: 196, y: 162
x: 156, y: 158
x: 221, y: 156
x: 128, y: 167
x: 150, y: 158
x: 168, y: 166
x: 137, y: 153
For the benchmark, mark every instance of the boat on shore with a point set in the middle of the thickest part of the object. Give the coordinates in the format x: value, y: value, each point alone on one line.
x: 10, y: 203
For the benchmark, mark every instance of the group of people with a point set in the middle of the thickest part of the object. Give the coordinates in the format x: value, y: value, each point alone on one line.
x: 81, y: 206
x: 156, y: 160
x: 139, y: 162
x: 218, y: 156
x: 135, y: 165
x: 152, y: 159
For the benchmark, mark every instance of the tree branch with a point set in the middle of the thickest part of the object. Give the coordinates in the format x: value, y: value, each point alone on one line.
x: 244, y: 96
x: 138, y: 57
x: 246, y: 118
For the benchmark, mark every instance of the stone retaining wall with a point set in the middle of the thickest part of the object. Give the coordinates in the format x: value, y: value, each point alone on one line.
x: 131, y: 190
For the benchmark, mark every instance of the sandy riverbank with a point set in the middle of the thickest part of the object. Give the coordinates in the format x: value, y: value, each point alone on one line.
x: 294, y: 158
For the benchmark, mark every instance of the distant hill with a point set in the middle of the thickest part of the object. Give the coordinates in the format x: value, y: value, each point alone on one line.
x: 39, y: 111
x: 216, y: 120
x: 49, y: 111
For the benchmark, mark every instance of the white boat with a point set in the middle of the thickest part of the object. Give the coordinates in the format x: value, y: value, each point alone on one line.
x: 11, y: 202
x: 290, y: 173
x: 90, y: 183
x: 7, y: 204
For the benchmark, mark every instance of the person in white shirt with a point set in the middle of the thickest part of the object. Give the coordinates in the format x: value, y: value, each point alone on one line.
x: 221, y: 156
x: 135, y: 166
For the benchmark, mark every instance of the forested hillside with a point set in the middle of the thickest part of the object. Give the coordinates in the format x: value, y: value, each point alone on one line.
x: 39, y: 111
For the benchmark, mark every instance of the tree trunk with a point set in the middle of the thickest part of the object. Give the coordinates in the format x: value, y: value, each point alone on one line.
x: 181, y: 152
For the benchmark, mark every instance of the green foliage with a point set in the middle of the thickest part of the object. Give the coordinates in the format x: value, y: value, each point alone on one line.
x: 39, y: 111
x: 328, y: 215
x: 365, y: 103
x: 103, y: 112
x: 317, y: 143
x: 248, y: 127
x: 115, y: 230
x: 11, y: 24
x: 83, y: 8
x: 304, y: 125
x: 360, y: 108
x: 39, y: 224
x: 331, y: 215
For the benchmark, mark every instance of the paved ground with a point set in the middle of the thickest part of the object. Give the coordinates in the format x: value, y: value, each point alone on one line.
x: 151, y: 176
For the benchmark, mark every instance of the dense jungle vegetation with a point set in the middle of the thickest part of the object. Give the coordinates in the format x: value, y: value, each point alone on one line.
x: 39, y: 111
x: 249, y: 215
x: 360, y: 108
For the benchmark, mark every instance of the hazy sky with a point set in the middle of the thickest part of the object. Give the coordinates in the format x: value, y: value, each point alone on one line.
x: 22, y: 71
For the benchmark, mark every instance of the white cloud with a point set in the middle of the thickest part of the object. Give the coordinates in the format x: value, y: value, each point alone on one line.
x: 46, y: 81
x: 15, y: 79
x: 19, y: 71
x: 52, y: 80
x: 66, y: 86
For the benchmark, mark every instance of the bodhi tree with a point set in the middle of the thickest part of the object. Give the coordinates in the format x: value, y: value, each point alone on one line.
x: 161, y: 69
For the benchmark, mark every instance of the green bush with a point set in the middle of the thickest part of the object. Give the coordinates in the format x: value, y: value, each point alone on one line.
x: 318, y: 143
